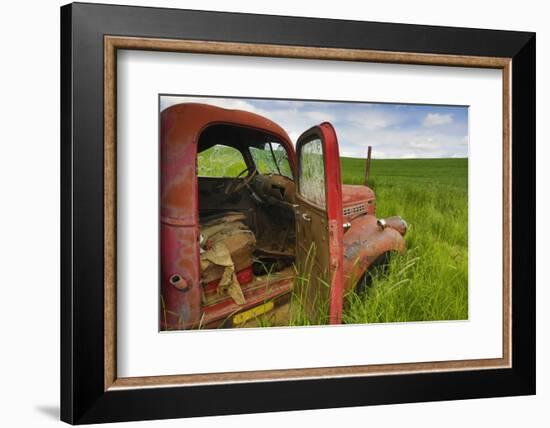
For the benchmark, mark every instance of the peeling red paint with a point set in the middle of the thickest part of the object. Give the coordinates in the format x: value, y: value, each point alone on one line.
x: 363, y: 243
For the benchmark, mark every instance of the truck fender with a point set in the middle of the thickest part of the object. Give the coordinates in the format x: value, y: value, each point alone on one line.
x: 366, y: 240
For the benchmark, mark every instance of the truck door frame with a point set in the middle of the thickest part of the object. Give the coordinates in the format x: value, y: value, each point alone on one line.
x: 330, y: 220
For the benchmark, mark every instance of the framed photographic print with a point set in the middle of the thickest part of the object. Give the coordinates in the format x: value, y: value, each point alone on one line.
x: 265, y: 213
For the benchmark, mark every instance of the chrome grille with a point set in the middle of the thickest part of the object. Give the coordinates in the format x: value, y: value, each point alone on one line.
x: 355, y: 209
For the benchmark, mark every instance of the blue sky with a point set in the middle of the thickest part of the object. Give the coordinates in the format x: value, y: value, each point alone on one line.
x: 394, y: 130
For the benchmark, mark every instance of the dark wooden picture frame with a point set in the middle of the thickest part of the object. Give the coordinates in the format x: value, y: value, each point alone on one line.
x: 90, y: 37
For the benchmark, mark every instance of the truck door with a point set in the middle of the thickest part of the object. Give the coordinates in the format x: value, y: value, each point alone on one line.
x: 319, y: 229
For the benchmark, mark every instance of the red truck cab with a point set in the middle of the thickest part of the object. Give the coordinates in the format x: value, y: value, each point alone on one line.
x: 238, y: 243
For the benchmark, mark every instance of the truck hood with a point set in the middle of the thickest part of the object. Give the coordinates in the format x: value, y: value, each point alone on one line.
x: 357, y: 200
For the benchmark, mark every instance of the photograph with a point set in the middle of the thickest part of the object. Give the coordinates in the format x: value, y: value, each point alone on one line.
x: 290, y: 212
x: 284, y: 209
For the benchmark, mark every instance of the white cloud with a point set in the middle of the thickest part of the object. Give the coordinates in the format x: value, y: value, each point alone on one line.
x: 373, y: 120
x: 425, y: 143
x: 437, y: 119
x: 319, y: 116
x: 395, y: 143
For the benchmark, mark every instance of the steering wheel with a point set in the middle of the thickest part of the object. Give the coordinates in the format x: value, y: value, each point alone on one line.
x: 235, y: 186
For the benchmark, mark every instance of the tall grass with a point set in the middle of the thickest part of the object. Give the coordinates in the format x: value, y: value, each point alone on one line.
x: 309, y: 306
x: 430, y: 282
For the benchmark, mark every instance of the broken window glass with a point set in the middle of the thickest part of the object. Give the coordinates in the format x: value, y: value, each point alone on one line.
x: 220, y: 161
x: 312, y: 172
x: 271, y: 158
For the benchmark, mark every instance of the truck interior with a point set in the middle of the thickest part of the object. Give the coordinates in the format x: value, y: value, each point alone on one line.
x: 246, y: 194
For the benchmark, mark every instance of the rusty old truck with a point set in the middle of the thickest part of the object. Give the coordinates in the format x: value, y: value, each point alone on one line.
x: 234, y: 244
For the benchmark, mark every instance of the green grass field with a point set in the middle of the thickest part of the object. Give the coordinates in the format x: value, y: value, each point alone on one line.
x: 430, y: 282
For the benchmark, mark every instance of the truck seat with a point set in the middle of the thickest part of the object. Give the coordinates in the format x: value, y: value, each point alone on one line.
x: 227, y: 245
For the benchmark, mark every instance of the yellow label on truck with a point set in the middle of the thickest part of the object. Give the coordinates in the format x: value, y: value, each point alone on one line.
x: 253, y: 313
